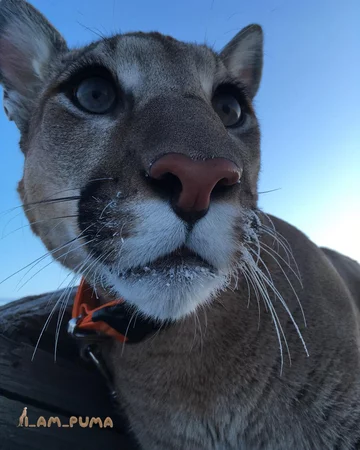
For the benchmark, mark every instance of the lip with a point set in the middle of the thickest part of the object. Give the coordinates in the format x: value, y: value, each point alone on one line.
x: 179, y: 258
x: 181, y: 252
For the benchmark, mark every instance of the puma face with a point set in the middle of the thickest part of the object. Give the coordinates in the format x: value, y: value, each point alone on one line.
x: 141, y: 156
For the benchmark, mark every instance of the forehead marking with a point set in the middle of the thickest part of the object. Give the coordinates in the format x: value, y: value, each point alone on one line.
x: 129, y: 75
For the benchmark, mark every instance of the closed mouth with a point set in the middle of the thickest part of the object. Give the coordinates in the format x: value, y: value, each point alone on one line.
x: 178, y: 260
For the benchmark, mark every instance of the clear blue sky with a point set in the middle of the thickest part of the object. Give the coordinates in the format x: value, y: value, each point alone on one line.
x: 308, y: 107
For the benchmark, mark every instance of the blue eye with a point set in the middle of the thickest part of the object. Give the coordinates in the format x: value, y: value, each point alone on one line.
x: 228, y: 108
x: 96, y: 95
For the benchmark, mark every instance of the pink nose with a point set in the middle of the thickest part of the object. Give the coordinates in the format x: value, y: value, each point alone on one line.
x: 198, y: 180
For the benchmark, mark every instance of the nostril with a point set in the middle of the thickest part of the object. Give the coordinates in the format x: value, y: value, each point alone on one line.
x: 167, y: 185
x: 222, y: 186
x: 223, y: 182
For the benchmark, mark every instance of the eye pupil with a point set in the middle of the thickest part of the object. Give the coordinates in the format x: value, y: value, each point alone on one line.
x: 96, y: 95
x: 226, y: 109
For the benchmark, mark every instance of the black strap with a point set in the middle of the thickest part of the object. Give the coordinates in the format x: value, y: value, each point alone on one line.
x: 128, y: 322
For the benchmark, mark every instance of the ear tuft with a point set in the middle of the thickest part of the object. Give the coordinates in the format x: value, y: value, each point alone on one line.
x: 28, y: 44
x: 243, y: 56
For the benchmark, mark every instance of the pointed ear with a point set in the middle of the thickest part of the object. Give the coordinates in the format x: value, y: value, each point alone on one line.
x: 243, y: 56
x: 28, y: 44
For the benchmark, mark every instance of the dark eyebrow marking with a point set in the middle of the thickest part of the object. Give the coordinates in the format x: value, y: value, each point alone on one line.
x: 72, y: 56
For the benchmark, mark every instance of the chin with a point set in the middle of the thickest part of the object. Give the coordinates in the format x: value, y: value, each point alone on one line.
x: 168, y: 289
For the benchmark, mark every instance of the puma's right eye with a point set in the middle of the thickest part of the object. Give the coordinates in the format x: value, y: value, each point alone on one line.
x: 229, y: 102
x: 228, y: 109
x: 96, y: 95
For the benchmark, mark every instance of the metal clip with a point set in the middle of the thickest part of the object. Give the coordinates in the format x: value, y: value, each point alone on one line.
x: 74, y: 332
x: 72, y: 325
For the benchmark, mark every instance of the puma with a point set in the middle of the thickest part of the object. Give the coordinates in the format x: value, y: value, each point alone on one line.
x: 142, y: 157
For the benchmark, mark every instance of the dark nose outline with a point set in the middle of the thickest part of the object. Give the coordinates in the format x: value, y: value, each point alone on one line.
x: 198, y: 179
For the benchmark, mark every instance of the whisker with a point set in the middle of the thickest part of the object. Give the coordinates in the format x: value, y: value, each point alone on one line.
x: 273, y: 312
x: 53, y: 200
x: 79, y: 268
x: 105, y: 208
x: 282, y: 259
x: 281, y: 239
x: 26, y: 210
x: 97, y: 32
x: 194, y: 338
x: 62, y: 310
x: 263, y: 263
x: 44, y: 328
x: 63, y: 300
x: 287, y: 250
x: 51, y: 314
x: 36, y: 261
x: 267, y: 300
x: 201, y: 334
x: 282, y: 301
x: 42, y: 202
x: 271, y: 190
x: 97, y: 277
x: 52, y: 262
x: 97, y: 261
x: 246, y: 271
x: 127, y: 330
x: 290, y: 284
x: 34, y: 223
x: 246, y: 276
x: 56, y: 193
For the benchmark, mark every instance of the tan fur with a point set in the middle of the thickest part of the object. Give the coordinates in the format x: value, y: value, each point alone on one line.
x: 263, y: 352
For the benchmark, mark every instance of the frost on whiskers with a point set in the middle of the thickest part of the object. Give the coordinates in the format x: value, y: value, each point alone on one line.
x: 251, y: 227
x: 179, y: 273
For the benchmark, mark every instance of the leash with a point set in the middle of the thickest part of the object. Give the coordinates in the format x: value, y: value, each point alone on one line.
x: 92, y: 323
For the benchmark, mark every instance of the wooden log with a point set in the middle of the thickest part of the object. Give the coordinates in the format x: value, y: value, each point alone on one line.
x: 65, y: 388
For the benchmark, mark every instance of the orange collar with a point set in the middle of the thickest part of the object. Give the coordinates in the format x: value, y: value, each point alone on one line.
x: 113, y: 319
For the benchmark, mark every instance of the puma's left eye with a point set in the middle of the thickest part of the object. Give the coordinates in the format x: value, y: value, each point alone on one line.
x: 96, y: 95
x: 228, y: 108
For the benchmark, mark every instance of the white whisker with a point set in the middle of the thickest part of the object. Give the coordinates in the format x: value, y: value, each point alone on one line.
x: 282, y: 259
x: 290, y: 284
x: 282, y: 301
x: 267, y: 300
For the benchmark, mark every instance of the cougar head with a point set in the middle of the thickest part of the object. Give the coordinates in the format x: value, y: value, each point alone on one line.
x: 141, y: 156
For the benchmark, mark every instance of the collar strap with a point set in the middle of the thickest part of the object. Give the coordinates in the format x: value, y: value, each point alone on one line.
x: 113, y: 319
